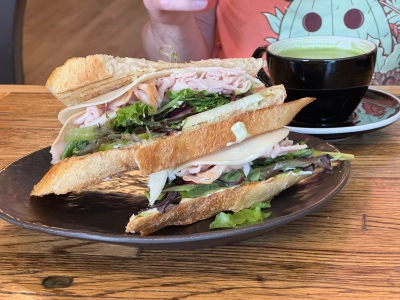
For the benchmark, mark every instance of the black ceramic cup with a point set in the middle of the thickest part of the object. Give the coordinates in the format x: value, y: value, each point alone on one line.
x: 335, y: 70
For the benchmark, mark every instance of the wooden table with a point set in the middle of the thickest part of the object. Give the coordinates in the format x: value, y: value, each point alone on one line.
x: 348, y: 249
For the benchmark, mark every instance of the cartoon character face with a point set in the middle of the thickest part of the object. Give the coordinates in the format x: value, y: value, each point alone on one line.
x: 357, y: 18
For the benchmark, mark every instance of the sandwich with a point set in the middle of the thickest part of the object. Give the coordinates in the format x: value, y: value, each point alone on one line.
x: 238, y: 178
x: 209, y: 135
x: 125, y: 113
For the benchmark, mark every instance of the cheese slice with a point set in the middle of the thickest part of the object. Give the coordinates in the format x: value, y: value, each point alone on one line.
x: 236, y: 154
x: 66, y: 113
x: 239, y: 153
x: 156, y: 184
x: 58, y: 146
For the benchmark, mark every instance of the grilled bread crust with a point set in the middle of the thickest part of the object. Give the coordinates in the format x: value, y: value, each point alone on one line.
x: 76, y: 173
x: 83, y: 78
x: 234, y: 199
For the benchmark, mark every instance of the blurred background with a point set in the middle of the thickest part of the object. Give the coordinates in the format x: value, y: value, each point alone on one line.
x: 56, y: 30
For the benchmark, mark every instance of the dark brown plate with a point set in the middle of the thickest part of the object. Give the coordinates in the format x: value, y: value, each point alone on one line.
x: 101, y: 212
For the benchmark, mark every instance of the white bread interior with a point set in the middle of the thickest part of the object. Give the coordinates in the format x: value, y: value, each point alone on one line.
x: 234, y: 199
x: 83, y: 78
x: 76, y: 173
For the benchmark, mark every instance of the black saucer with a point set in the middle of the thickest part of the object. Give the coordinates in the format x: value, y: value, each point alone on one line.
x: 376, y: 111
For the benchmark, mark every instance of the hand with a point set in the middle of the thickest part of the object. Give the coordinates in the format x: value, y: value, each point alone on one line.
x: 175, y: 5
x: 180, y: 24
x: 172, y: 12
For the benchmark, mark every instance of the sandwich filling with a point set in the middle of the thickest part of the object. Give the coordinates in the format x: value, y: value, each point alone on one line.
x: 258, y: 158
x: 151, y: 107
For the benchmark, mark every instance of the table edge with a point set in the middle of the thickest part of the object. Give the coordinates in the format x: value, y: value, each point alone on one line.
x: 30, y: 89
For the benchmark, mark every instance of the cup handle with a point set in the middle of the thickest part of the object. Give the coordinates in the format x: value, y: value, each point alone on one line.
x: 262, y: 75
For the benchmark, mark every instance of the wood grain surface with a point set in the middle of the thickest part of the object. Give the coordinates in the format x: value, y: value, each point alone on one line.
x: 348, y: 249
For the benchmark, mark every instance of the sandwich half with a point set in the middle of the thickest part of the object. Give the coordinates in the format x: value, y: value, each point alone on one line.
x: 231, y: 179
x: 128, y: 114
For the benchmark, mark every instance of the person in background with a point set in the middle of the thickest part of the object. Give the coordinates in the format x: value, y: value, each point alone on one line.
x: 201, y: 29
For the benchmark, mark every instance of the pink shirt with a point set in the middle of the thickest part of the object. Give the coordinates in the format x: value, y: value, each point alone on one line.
x: 241, y: 26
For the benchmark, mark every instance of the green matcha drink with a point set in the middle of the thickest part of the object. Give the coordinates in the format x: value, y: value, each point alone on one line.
x: 335, y: 70
x: 319, y: 52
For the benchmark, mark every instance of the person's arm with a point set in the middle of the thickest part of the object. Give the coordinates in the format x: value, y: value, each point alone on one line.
x: 174, y: 22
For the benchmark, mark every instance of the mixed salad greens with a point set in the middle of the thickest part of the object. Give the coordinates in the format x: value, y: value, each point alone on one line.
x: 300, y: 161
x: 139, y: 121
x: 245, y: 217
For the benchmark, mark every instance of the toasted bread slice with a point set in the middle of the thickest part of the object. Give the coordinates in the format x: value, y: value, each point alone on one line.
x: 83, y: 78
x: 169, y: 151
x: 75, y: 173
x: 233, y: 199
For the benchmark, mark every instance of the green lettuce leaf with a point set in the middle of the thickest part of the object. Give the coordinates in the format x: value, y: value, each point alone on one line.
x: 254, y: 174
x: 73, y: 148
x: 245, y: 217
x: 202, y: 190
x: 81, y: 134
x: 201, y: 100
x: 335, y: 155
x: 132, y: 115
x: 180, y: 188
x: 291, y: 155
x: 231, y: 176
x: 196, y: 190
